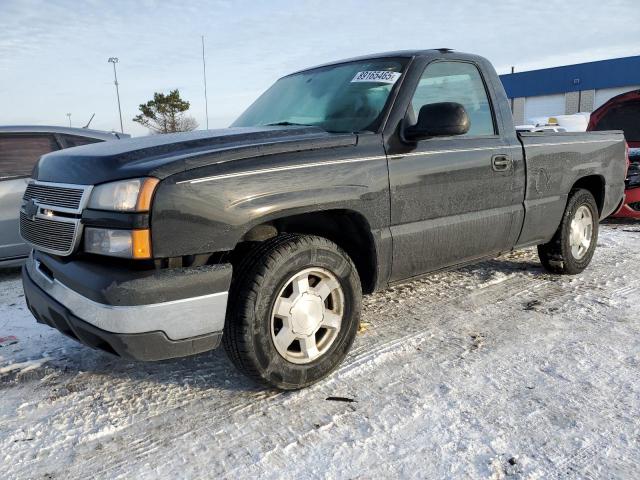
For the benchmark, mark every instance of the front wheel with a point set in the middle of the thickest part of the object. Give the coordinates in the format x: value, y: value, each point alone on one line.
x: 294, y: 311
x: 571, y: 249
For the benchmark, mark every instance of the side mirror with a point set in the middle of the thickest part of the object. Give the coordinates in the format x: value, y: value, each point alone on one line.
x: 439, y: 119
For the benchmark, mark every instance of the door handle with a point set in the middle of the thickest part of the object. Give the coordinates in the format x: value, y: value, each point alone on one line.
x: 500, y: 163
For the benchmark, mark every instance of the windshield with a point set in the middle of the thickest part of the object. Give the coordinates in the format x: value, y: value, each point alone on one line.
x: 349, y: 97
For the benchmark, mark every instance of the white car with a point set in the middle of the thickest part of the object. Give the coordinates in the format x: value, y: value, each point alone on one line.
x: 20, y: 148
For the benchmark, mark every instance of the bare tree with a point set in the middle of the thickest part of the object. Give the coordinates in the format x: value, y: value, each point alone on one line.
x: 187, y: 123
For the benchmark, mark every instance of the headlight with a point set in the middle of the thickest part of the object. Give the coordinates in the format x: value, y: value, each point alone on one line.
x: 124, y: 196
x: 118, y: 243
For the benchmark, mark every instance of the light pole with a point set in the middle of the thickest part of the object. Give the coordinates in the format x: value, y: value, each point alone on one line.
x: 114, y: 60
x: 204, y: 73
x: 69, y: 115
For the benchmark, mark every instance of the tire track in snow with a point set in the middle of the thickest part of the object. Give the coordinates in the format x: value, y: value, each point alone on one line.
x: 221, y: 423
x: 188, y: 424
x: 485, y: 294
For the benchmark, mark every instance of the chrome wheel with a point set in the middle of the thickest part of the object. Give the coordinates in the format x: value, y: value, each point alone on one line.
x: 307, y: 315
x: 581, y: 232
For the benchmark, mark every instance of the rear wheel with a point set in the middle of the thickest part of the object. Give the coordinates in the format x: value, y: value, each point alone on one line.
x: 571, y: 249
x: 294, y: 311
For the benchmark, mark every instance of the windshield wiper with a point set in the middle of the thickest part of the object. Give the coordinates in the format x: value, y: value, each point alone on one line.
x: 288, y: 124
x: 293, y: 124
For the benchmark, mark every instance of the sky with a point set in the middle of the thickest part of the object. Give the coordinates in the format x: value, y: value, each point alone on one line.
x: 53, y: 53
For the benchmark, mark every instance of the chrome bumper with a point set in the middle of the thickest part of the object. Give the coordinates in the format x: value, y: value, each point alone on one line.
x: 177, y: 319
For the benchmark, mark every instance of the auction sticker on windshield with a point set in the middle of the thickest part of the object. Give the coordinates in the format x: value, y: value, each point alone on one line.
x: 377, y: 76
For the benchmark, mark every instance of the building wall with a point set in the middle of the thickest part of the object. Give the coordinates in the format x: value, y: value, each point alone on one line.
x: 587, y: 98
x: 526, y: 108
x: 603, y: 95
x: 518, y: 111
x: 615, y: 72
x: 572, y: 105
x: 543, y: 105
x: 570, y: 89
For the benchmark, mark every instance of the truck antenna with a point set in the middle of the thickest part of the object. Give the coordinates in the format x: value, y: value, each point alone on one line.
x: 87, y: 125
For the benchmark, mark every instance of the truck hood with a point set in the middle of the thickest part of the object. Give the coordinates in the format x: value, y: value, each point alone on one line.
x: 163, y: 155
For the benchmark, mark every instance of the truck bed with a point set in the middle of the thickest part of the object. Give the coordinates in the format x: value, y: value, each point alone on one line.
x: 554, y: 162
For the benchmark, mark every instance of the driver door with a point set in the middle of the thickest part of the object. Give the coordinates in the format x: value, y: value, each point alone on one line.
x: 450, y: 203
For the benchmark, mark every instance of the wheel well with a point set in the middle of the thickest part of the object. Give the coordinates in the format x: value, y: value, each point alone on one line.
x: 347, y: 229
x: 595, y: 185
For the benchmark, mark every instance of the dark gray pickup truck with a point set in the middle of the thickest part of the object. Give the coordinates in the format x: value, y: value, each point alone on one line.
x: 339, y: 180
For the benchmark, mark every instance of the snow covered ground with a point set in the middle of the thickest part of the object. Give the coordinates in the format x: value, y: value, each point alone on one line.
x: 494, y: 371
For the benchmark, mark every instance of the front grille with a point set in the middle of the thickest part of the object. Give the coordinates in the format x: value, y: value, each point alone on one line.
x: 54, y: 196
x: 49, y: 235
x: 50, y: 216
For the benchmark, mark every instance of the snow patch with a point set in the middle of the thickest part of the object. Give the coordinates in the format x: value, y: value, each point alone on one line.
x: 498, y: 370
x: 498, y: 277
x: 25, y: 366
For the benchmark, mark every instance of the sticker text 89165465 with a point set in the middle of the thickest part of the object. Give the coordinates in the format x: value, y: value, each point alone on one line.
x: 376, y: 76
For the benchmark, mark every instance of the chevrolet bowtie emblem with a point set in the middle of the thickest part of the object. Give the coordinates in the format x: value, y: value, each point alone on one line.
x: 30, y: 209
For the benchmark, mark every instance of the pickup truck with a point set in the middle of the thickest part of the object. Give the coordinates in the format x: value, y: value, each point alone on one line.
x: 338, y: 181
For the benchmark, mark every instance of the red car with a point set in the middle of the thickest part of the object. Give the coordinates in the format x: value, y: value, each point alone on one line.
x: 623, y: 113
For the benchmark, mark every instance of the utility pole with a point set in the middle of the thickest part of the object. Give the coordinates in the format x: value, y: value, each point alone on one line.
x: 204, y: 73
x: 513, y: 70
x: 69, y: 115
x: 114, y: 60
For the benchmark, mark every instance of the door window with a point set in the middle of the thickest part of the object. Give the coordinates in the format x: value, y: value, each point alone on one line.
x: 19, y: 153
x: 77, y: 140
x: 458, y: 82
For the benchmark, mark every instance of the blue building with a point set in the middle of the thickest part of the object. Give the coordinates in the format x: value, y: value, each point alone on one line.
x: 570, y: 89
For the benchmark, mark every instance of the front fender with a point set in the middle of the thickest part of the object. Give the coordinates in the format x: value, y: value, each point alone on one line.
x: 191, y: 217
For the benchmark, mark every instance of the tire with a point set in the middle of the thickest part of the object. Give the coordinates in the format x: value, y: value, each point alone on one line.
x: 269, y: 277
x: 562, y: 254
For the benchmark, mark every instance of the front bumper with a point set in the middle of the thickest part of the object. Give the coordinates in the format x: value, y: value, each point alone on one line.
x: 163, y: 327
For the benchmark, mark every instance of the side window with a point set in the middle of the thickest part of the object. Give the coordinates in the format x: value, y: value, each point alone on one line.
x: 456, y: 82
x: 77, y: 140
x: 20, y: 152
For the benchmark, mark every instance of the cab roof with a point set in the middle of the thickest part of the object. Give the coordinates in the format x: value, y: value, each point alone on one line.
x: 394, y: 54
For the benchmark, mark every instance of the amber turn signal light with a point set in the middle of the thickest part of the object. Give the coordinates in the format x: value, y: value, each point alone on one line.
x: 146, y: 194
x: 141, y: 243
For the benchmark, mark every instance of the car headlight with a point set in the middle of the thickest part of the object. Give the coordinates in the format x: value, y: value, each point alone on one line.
x: 118, y: 243
x: 132, y: 195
